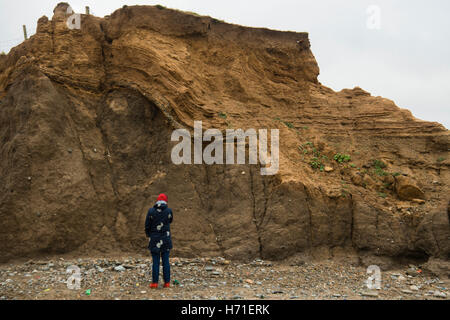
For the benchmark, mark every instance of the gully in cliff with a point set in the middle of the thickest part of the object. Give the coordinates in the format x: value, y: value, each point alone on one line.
x: 213, y: 153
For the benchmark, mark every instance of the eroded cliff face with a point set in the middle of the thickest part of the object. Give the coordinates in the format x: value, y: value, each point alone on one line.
x: 85, y: 123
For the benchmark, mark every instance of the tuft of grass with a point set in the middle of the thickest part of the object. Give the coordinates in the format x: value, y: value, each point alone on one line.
x: 382, y: 195
x: 222, y: 115
x: 192, y: 13
x: 380, y: 172
x: 288, y: 124
x: 316, y: 152
x: 315, y: 163
x: 396, y: 174
x: 440, y: 159
x: 214, y: 20
x: 341, y: 158
x: 379, y: 164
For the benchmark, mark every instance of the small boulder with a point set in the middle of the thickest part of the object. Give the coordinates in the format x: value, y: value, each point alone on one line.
x: 439, y: 294
x: 407, y: 189
x: 372, y: 294
x: 119, y: 268
x: 419, y: 201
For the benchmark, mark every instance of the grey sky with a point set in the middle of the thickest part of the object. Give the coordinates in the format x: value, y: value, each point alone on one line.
x: 406, y: 60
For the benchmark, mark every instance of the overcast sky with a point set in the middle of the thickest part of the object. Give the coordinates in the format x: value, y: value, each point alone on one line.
x: 406, y: 59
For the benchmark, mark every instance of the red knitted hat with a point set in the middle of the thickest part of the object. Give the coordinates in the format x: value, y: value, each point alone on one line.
x: 162, y: 197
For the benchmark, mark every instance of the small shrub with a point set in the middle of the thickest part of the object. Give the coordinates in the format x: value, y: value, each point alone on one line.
x: 379, y: 164
x: 315, y: 163
x: 288, y: 124
x: 396, y: 174
x: 222, y: 115
x: 316, y: 152
x: 160, y: 7
x: 341, y: 158
x: 352, y: 165
x: 192, y: 13
x: 380, y: 172
x: 440, y: 159
x: 382, y: 195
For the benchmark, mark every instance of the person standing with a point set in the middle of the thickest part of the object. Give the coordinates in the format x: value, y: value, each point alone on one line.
x: 157, y: 228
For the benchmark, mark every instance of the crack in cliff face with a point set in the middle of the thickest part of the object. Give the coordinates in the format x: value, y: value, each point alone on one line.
x: 308, y: 200
x: 352, y: 220
x: 204, y: 208
x: 52, y: 34
x: 104, y: 83
x: 255, y: 220
x: 80, y: 146
x: 267, y: 194
x: 434, y: 234
x: 105, y: 143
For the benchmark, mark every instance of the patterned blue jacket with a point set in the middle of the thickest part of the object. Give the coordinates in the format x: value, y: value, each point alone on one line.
x: 157, y: 227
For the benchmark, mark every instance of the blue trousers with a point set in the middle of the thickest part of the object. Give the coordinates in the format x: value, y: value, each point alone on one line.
x: 166, y: 266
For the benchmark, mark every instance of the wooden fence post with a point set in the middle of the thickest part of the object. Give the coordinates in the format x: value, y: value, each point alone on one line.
x: 25, y: 32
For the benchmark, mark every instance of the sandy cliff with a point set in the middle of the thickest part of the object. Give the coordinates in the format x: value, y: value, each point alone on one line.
x: 85, y: 123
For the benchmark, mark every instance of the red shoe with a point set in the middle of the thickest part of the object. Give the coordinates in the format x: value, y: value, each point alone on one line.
x: 167, y: 285
x: 153, y: 286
